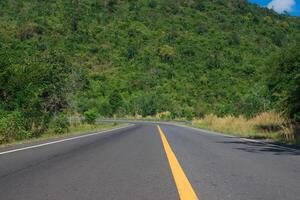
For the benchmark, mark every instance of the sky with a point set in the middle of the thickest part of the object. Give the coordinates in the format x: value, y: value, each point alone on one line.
x: 291, y: 6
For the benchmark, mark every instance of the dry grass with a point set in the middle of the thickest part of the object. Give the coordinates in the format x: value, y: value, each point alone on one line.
x: 267, y: 125
x: 289, y: 132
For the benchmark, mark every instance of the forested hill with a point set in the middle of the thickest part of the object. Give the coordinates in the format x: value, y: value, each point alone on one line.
x: 110, y: 57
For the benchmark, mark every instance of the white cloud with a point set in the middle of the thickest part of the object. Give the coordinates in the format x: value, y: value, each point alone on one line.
x: 282, y: 5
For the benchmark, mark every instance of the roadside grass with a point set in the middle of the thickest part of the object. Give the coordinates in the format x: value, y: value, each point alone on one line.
x: 270, y: 126
x: 72, y: 131
x: 267, y: 125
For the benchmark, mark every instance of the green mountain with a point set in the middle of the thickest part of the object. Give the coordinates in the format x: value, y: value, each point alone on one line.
x: 115, y: 57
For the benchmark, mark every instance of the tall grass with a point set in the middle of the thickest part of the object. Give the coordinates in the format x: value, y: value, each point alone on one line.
x: 267, y: 125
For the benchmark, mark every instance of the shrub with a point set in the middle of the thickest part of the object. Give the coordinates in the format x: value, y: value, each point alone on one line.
x: 12, y: 128
x: 167, y: 53
x: 111, y: 4
x: 234, y: 39
x: 90, y: 116
x: 164, y: 115
x: 284, y: 82
x: 152, y: 4
x: 29, y: 30
x: 202, y: 28
x: 60, y: 124
x: 115, y: 101
x: 200, y: 6
x: 188, y: 113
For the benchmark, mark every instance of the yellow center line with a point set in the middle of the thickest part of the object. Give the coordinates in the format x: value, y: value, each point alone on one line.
x: 184, y: 187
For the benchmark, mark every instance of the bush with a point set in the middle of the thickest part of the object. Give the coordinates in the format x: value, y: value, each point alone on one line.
x: 12, y: 128
x: 111, y: 4
x: 115, y: 101
x: 90, y: 116
x: 164, y: 115
x: 234, y: 39
x: 188, y: 113
x: 60, y: 124
x: 152, y: 4
x: 202, y: 28
x: 284, y: 82
x: 200, y: 6
x: 167, y: 53
x: 29, y: 30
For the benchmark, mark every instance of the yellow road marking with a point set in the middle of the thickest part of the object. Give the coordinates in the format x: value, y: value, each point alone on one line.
x: 184, y: 187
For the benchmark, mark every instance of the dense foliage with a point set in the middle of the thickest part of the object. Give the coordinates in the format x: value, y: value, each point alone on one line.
x: 284, y: 82
x: 112, y: 57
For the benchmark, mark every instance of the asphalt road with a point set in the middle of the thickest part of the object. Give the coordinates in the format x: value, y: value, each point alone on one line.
x: 131, y: 163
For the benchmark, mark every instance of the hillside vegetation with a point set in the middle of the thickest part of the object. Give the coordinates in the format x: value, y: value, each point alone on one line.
x: 109, y: 58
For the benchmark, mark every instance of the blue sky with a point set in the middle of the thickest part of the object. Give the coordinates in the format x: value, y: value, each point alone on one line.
x: 291, y: 6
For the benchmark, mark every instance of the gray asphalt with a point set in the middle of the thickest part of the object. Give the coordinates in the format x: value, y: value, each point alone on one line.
x: 131, y: 164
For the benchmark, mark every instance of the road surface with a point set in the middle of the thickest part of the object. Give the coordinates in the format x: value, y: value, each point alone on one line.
x: 143, y: 162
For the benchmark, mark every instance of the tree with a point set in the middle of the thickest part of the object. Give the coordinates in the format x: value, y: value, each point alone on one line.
x: 115, y: 101
x: 284, y: 82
